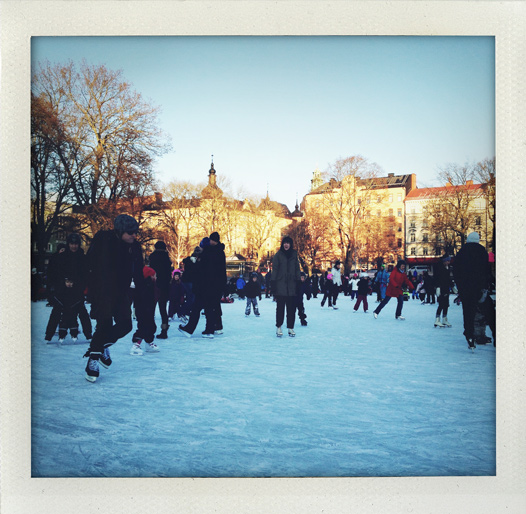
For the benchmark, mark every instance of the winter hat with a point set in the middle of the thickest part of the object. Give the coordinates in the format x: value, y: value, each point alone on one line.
x: 73, y: 239
x: 160, y: 245
x: 337, y: 263
x: 329, y: 276
x: 473, y: 238
x: 446, y: 258
x: 204, y: 242
x: 400, y: 263
x: 148, y: 272
x: 214, y: 236
x: 125, y: 223
x: 176, y: 272
x: 303, y: 274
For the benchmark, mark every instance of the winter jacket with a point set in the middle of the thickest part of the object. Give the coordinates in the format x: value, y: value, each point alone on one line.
x: 442, y: 278
x: 112, y: 264
x: 363, y: 286
x: 68, y: 264
x: 304, y: 288
x: 336, y: 277
x: 285, y: 272
x: 471, y: 269
x: 397, y: 279
x: 252, y: 289
x: 160, y: 262
x: 382, y: 277
x: 354, y: 284
x: 212, y: 264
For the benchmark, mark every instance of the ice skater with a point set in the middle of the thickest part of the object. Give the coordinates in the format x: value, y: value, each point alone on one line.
x: 251, y: 292
x: 443, y: 283
x: 397, y: 279
x: 363, y: 291
x: 304, y: 289
x: 145, y: 304
x: 114, y: 258
x: 285, y: 278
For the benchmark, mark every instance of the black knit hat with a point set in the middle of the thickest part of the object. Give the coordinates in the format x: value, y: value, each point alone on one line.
x: 214, y: 236
x: 125, y: 223
x: 160, y: 245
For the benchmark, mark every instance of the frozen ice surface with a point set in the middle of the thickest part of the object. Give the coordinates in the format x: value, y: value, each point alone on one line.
x: 348, y: 396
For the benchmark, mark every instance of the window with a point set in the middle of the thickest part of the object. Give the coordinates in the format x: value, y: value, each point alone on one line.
x: 399, y: 214
x: 413, y: 250
x: 390, y: 212
x: 399, y: 243
x: 413, y: 210
x: 425, y: 238
x: 424, y: 223
x: 391, y: 198
x: 378, y: 199
x: 412, y: 238
x: 412, y: 224
x: 424, y: 251
x: 399, y: 197
x: 399, y: 227
x: 477, y: 221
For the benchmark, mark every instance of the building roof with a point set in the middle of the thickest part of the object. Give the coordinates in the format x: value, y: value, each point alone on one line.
x: 391, y: 180
x: 431, y: 192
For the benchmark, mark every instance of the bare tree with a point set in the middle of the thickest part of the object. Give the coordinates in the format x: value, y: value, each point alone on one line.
x: 114, y: 131
x: 350, y: 190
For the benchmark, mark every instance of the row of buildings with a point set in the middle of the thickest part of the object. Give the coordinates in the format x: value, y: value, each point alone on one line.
x: 360, y: 221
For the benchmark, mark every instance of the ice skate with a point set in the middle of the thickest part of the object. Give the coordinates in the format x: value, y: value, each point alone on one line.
x: 152, y: 347
x: 445, y: 322
x: 92, y: 369
x: 334, y: 307
x: 279, y: 332
x: 136, y: 348
x: 105, y: 358
x: 291, y: 332
x: 400, y: 318
x: 218, y: 332
x: 375, y: 314
x: 164, y: 332
x: 471, y: 343
x: 207, y: 335
x: 184, y: 331
x: 438, y: 323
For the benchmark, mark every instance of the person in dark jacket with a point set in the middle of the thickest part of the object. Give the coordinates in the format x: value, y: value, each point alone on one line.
x: 315, y: 283
x: 69, y: 263
x: 114, y: 259
x: 252, y: 291
x: 443, y: 285
x: 284, y: 283
x: 327, y: 289
x: 209, y: 286
x: 304, y: 289
x: 472, y: 274
x: 69, y: 298
x: 268, y: 279
x: 160, y: 262
x: 176, y: 295
x: 397, y: 280
x: 363, y: 291
x: 429, y: 286
x: 145, y: 304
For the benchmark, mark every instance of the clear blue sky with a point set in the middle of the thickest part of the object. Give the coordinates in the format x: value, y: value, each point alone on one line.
x: 273, y: 109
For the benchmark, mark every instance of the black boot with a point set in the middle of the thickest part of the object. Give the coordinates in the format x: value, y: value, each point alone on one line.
x: 164, y: 332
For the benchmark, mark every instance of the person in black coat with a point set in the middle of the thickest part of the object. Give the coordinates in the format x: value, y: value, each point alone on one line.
x: 443, y: 286
x: 304, y: 289
x: 429, y: 286
x: 252, y: 291
x: 472, y: 274
x: 160, y: 262
x: 145, y: 304
x: 363, y: 291
x: 69, y: 263
x: 114, y: 259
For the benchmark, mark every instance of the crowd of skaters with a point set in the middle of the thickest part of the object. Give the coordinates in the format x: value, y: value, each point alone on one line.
x: 119, y: 286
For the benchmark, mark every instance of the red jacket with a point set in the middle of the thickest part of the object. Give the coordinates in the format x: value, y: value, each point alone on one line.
x: 396, y: 280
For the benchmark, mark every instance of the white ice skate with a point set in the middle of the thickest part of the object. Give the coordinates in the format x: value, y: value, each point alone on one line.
x: 445, y: 322
x: 292, y: 333
x: 438, y: 323
x: 152, y: 347
x: 136, y: 349
x: 400, y: 318
x: 279, y: 332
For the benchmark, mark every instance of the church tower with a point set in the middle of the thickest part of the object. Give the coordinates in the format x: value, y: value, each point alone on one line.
x: 316, y: 181
x: 212, y: 189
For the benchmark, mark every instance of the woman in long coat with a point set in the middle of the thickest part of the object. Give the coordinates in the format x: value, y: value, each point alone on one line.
x: 284, y: 282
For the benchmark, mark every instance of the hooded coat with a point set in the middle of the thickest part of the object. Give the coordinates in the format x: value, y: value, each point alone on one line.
x: 212, y: 264
x: 160, y: 262
x: 472, y: 269
x: 285, y: 270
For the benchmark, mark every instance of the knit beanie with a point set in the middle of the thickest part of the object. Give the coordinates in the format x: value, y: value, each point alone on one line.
x: 473, y: 238
x: 214, y: 236
x: 204, y: 242
x: 125, y: 223
x: 160, y: 245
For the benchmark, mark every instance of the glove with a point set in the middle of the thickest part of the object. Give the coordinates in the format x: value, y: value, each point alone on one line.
x: 483, y: 295
x: 438, y: 291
